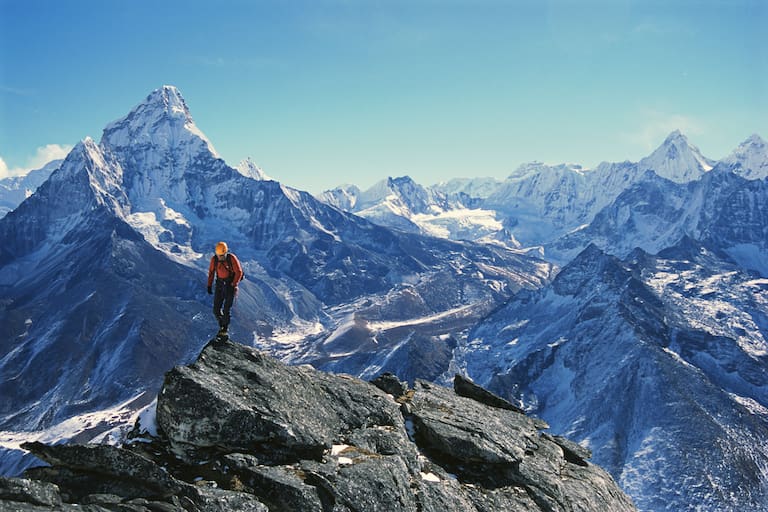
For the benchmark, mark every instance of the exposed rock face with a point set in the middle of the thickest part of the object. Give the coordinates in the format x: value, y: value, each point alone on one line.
x: 234, y: 399
x: 258, y: 435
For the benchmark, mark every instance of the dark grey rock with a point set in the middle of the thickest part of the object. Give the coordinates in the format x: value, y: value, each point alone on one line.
x: 76, y: 485
x: 280, y: 488
x: 389, y: 383
x: 376, y: 483
x: 465, y: 434
x: 574, y: 452
x: 29, y: 491
x: 153, y: 506
x: 120, y: 472
x: 106, y: 477
x: 102, y: 499
x: 496, y: 448
x: 466, y: 388
x: 235, y: 399
x: 316, y: 442
x: 220, y: 500
x: 384, y: 441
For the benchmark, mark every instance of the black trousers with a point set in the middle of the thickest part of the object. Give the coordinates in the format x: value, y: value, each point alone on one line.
x: 223, y: 298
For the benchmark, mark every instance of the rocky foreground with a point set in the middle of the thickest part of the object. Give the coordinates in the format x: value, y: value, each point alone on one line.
x: 239, y: 431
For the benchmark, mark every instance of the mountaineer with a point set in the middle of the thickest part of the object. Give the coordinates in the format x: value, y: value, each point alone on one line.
x: 228, y: 272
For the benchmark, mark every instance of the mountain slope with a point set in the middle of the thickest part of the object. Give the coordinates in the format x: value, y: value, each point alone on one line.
x: 722, y: 209
x: 633, y: 359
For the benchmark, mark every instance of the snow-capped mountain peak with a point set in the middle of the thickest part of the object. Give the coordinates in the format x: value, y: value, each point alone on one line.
x: 160, y: 147
x: 343, y: 197
x: 750, y: 159
x: 677, y: 160
x: 401, y: 193
x: 249, y: 169
x: 161, y: 120
x: 530, y: 169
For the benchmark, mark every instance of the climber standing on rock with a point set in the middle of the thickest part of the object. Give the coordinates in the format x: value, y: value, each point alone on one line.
x: 225, y: 267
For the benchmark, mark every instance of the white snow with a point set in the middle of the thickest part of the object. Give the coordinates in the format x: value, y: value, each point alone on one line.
x: 429, y: 477
x: 646, y: 460
x: 717, y: 302
x: 336, y: 449
x: 677, y: 160
x: 249, y: 169
x: 750, y: 404
x: 458, y: 312
x: 460, y: 223
x: 750, y: 159
x: 121, y: 415
x: 147, y: 419
x: 147, y: 221
x: 750, y: 256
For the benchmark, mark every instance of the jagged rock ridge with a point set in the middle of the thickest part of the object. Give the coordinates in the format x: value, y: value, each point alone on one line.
x: 240, y: 431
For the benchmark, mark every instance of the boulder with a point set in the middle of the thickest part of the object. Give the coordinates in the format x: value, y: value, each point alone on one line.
x: 120, y: 472
x: 113, y: 478
x: 29, y: 491
x: 235, y: 399
x: 496, y: 449
x: 279, y: 487
x: 390, y: 384
x: 466, y: 388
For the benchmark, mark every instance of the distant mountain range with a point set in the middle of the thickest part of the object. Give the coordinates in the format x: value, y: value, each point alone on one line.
x: 538, y: 203
x: 16, y: 189
x: 626, y: 305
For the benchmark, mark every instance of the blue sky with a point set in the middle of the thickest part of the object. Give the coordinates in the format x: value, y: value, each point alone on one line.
x: 323, y: 92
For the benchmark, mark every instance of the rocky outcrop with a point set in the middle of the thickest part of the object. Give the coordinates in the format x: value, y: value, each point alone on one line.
x: 466, y: 388
x: 241, y: 431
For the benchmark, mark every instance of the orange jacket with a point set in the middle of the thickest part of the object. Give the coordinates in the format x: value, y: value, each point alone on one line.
x: 223, y: 271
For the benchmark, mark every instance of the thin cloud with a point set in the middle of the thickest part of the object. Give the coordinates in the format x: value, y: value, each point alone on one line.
x: 657, y: 125
x: 661, y: 28
x: 252, y: 63
x: 16, y: 91
x: 42, y: 156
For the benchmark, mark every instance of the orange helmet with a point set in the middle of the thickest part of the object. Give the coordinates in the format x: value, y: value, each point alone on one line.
x: 221, y: 249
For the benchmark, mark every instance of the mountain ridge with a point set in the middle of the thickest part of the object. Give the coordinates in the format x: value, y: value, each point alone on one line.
x: 272, y: 437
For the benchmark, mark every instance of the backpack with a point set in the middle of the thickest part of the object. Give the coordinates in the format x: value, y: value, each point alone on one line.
x: 229, y: 267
